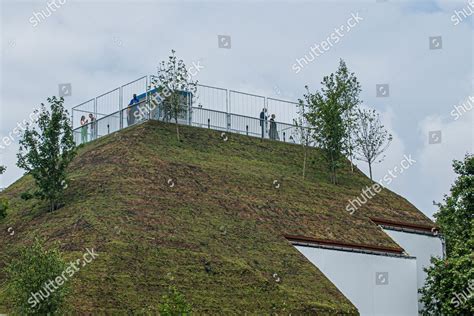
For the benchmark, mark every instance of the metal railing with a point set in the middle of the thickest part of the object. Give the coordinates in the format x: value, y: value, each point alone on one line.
x: 108, y: 102
x: 286, y: 111
x: 210, y: 107
x: 212, y: 98
x: 192, y: 116
x: 206, y: 97
x: 247, y: 104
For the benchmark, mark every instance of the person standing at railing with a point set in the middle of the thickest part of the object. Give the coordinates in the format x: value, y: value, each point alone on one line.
x: 131, y: 110
x: 93, y: 126
x: 263, y: 121
x: 84, y: 123
x: 273, y: 129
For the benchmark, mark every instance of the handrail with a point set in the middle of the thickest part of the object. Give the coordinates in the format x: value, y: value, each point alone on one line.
x: 227, y: 91
x: 82, y: 104
x: 109, y: 115
x: 248, y: 117
x: 223, y: 124
x: 280, y: 100
x: 206, y: 86
x: 136, y: 80
x: 118, y: 88
x: 238, y: 117
x: 249, y: 94
x: 288, y: 126
x: 91, y: 112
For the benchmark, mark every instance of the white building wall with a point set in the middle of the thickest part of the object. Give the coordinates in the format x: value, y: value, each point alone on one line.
x: 420, y: 246
x: 376, y: 285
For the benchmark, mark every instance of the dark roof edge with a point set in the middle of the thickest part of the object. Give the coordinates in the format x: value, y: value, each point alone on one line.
x: 425, y: 229
x: 348, y: 246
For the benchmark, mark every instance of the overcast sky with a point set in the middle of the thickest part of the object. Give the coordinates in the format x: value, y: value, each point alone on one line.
x: 98, y: 45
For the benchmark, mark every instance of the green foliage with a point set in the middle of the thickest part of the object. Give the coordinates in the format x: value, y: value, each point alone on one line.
x: 450, y: 283
x: 31, y: 272
x: 331, y: 112
x: 455, y: 217
x: 47, y: 149
x: 3, y: 208
x: 174, y: 304
x: 370, y: 138
x: 25, y: 196
x: 171, y: 81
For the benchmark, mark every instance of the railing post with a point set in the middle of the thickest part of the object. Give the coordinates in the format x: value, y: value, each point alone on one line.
x: 284, y: 137
x: 95, y: 108
x: 227, y: 109
x: 209, y: 123
x: 120, y: 108
x: 147, y: 98
x: 227, y: 101
x: 189, y: 97
x: 93, y: 126
x: 247, y: 130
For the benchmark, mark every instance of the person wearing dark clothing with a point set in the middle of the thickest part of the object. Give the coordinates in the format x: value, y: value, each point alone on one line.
x: 93, y: 126
x: 263, y: 121
x: 273, y: 129
x: 132, y: 107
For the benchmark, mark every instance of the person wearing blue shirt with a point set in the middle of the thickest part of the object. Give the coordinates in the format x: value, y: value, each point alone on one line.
x: 131, y: 109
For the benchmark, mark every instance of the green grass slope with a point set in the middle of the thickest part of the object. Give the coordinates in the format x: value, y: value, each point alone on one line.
x: 217, y: 234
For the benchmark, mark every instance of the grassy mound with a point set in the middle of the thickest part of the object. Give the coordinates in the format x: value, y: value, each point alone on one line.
x: 206, y: 215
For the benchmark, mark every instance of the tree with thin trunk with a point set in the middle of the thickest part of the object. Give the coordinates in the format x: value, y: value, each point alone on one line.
x: 331, y: 113
x: 370, y: 137
x: 46, y: 150
x: 175, y: 87
x: 303, y: 132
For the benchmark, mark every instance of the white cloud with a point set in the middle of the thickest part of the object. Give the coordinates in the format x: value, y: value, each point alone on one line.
x: 436, y: 159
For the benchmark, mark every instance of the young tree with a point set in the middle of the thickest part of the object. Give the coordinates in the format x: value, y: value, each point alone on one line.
x: 175, y: 85
x: 450, y: 282
x: 30, y: 273
x: 370, y: 138
x: 331, y: 112
x: 46, y: 151
x: 303, y: 132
